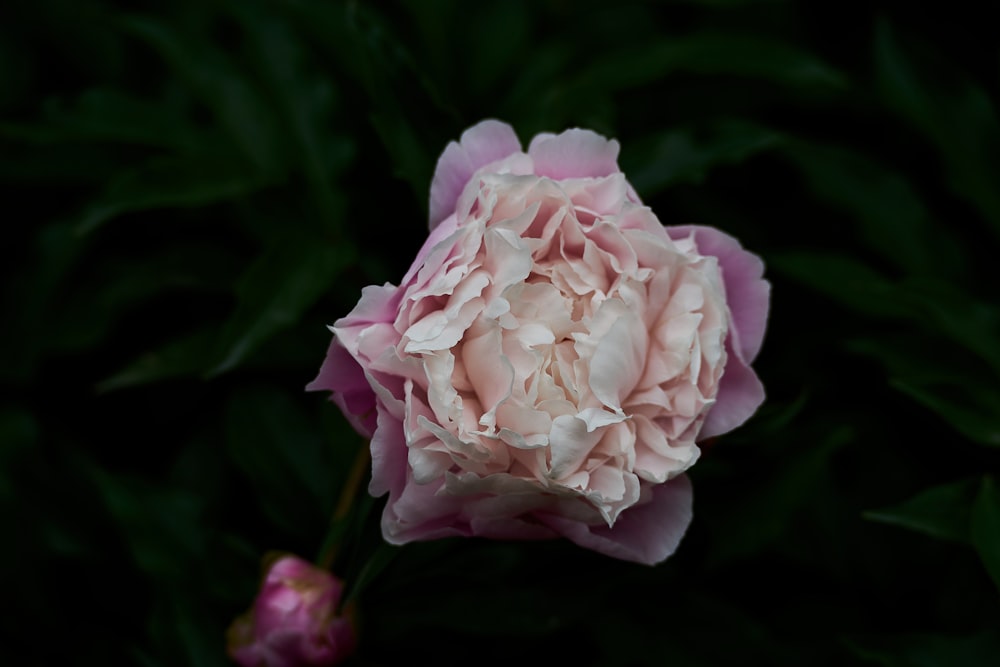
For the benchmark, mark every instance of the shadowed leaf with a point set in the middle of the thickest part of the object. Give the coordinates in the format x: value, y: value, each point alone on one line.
x: 942, y: 512
x: 687, y: 155
x: 276, y: 289
x: 986, y: 527
x: 183, y: 181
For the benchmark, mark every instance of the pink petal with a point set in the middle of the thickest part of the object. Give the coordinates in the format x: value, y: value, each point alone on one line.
x: 389, y: 455
x: 418, y: 512
x: 352, y: 393
x: 747, y: 293
x: 645, y: 534
x: 575, y: 153
x: 480, y: 145
x: 740, y: 394
x: 748, y: 297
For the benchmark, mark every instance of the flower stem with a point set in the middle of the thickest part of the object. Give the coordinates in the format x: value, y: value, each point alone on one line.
x: 331, y: 547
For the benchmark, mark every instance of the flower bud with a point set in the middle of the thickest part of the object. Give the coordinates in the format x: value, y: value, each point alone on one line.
x: 293, y: 622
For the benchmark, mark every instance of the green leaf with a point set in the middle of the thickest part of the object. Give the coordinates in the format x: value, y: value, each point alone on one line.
x: 240, y: 108
x: 846, y: 280
x: 286, y: 459
x: 766, y: 513
x: 163, y: 527
x: 187, y: 355
x: 305, y: 105
x: 91, y: 303
x: 899, y: 83
x: 942, y: 512
x: 185, y: 630
x: 986, y: 527
x: 276, y: 289
x: 18, y: 433
x: 181, y: 181
x: 687, y: 155
x: 929, y: 650
x: 887, y: 212
x: 974, y: 411
x: 957, y: 314
x: 958, y: 118
x: 930, y: 306
x: 411, y: 162
x: 109, y: 115
x: 374, y: 566
x: 711, y: 53
x: 512, y: 610
x: 948, y: 383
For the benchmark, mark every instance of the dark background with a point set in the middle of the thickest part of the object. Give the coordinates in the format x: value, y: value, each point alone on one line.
x: 191, y: 191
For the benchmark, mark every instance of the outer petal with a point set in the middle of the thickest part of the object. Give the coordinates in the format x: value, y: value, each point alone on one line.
x: 352, y: 393
x: 748, y: 296
x: 645, y: 534
x: 740, y: 394
x: 575, y: 153
x: 747, y: 293
x: 389, y: 456
x: 480, y: 145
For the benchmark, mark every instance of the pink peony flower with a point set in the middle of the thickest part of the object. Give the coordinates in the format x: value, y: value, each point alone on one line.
x: 293, y: 621
x: 551, y: 359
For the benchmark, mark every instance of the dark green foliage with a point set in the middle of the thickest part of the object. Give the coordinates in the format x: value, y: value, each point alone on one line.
x: 193, y: 190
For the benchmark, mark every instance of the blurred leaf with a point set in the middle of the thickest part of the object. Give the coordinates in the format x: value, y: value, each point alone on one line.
x: 899, y: 83
x: 109, y: 115
x: 364, y: 43
x: 383, y: 58
x: 687, y: 155
x: 276, y: 289
x: 775, y: 417
x: 933, y: 306
x: 240, y: 108
x: 930, y: 650
x: 986, y: 527
x: 889, y: 215
x: 957, y: 314
x: 184, y: 628
x: 486, y: 611
x: 765, y: 514
x: 711, y: 53
x: 949, y: 385
x: 187, y: 355
x: 959, y: 119
x: 942, y: 512
x: 30, y: 293
x: 374, y: 566
x: 162, y: 526
x: 18, y: 433
x: 288, y: 462
x: 96, y: 298
x: 974, y: 412
x: 304, y: 103
x: 188, y: 180
x: 843, y: 279
x: 411, y: 162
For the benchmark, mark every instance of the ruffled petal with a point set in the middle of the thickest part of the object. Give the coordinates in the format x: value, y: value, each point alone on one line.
x: 343, y: 375
x: 740, y: 394
x: 747, y: 293
x: 480, y: 145
x: 646, y: 534
x: 389, y: 455
x: 575, y: 153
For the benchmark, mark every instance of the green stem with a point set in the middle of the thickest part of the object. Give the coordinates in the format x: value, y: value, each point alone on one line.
x: 331, y: 547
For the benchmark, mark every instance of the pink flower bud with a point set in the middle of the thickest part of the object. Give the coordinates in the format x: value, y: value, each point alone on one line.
x: 293, y: 621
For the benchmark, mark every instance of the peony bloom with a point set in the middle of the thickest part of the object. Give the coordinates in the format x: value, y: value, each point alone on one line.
x: 293, y: 621
x: 551, y: 359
